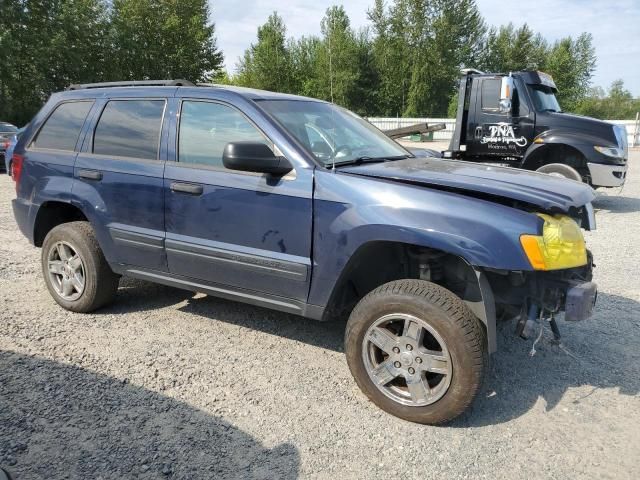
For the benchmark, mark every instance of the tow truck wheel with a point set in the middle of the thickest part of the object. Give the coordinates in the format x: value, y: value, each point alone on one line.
x: 416, y: 350
x: 561, y: 170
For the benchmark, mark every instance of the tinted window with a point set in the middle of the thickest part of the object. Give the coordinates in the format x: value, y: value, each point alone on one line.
x: 206, y: 128
x: 544, y: 99
x: 62, y: 128
x: 491, y: 94
x: 129, y: 128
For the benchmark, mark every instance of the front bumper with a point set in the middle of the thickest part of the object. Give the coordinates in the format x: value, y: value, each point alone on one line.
x: 606, y: 175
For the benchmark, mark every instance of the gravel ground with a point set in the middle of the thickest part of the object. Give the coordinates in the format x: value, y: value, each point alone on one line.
x: 166, y: 383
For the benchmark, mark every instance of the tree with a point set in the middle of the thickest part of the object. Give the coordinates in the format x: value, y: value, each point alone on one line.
x: 267, y: 64
x: 418, y: 49
x: 336, y: 66
x: 454, y: 34
x: 617, y: 104
x: 163, y: 39
x: 510, y: 49
x: 571, y: 63
x: 45, y: 46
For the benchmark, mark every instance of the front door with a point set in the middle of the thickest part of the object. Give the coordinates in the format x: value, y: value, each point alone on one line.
x: 495, y: 133
x: 248, y: 231
x: 118, y: 176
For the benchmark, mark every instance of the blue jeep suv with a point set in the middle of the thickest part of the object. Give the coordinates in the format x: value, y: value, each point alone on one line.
x: 301, y: 206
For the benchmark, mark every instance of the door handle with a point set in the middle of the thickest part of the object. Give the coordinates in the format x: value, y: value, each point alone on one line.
x: 90, y: 175
x: 189, y: 188
x: 478, y: 133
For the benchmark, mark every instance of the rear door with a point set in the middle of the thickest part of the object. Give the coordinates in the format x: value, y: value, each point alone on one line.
x: 495, y: 133
x: 119, y: 179
x: 245, y: 230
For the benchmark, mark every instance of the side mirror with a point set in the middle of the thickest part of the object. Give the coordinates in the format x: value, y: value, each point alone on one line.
x: 254, y: 157
x: 506, y: 93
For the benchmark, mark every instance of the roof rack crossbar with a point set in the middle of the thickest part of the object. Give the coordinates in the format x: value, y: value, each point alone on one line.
x: 133, y: 83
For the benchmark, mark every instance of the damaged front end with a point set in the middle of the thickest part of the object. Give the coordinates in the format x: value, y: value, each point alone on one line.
x: 532, y: 297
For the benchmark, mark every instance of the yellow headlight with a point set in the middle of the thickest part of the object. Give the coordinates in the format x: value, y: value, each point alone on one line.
x: 560, y: 246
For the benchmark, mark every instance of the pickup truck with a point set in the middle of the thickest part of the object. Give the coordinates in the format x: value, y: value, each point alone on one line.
x: 301, y: 206
x: 515, y: 120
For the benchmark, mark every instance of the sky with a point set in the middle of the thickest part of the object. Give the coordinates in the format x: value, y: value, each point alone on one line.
x: 615, y: 26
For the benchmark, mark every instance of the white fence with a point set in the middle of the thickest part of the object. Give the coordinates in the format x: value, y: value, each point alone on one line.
x: 446, y: 134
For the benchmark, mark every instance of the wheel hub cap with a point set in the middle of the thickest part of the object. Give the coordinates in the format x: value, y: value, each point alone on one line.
x: 406, y: 358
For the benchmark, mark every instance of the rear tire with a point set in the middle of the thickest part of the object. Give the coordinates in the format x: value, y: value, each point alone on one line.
x: 561, y: 170
x: 75, y: 271
x: 416, y: 350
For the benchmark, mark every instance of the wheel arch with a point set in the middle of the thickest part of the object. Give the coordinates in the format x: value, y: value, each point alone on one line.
x: 547, y: 153
x: 52, y: 213
x: 362, y: 275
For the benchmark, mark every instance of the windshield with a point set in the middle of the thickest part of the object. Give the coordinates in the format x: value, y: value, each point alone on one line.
x: 544, y: 99
x: 331, y: 133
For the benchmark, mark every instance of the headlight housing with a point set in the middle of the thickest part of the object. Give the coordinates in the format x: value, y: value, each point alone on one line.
x: 560, y: 246
x: 610, y: 151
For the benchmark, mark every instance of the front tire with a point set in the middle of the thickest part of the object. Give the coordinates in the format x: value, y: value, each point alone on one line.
x: 75, y: 271
x: 561, y: 170
x: 416, y: 350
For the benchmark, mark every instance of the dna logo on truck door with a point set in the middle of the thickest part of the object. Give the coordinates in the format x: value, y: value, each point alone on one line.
x: 503, y: 133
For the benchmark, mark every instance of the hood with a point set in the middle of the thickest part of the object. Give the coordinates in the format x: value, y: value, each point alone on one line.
x: 538, y: 189
x: 574, y: 122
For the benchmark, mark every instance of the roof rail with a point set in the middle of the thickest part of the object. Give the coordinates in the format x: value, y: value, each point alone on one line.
x: 132, y: 83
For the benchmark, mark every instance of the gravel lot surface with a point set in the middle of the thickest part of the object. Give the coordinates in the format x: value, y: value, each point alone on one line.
x: 166, y: 383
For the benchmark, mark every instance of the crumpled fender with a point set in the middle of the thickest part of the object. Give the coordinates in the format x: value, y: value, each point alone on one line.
x: 351, y: 212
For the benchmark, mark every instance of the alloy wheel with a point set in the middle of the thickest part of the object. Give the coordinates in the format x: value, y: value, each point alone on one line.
x: 407, y: 359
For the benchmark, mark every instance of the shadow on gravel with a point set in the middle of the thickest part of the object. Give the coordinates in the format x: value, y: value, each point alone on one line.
x: 327, y: 335
x: 140, y: 296
x: 616, y: 204
x: 61, y: 421
x: 605, y: 358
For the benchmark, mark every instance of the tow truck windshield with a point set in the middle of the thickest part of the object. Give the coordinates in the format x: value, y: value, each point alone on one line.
x: 334, y: 135
x: 544, y: 99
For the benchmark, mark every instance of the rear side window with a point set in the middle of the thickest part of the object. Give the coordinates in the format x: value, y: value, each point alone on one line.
x: 491, y: 94
x: 206, y: 128
x: 129, y: 128
x: 62, y: 128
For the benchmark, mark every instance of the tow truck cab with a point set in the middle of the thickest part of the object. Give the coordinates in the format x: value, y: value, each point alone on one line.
x: 515, y: 120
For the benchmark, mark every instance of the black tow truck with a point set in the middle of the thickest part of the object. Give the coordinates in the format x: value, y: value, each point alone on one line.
x: 515, y: 120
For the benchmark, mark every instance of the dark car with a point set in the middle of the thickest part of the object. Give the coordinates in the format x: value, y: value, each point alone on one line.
x: 301, y: 206
x: 7, y: 131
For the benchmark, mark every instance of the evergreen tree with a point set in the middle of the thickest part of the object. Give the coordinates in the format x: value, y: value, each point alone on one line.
x: 571, y: 63
x: 336, y: 66
x: 267, y: 64
x: 163, y: 39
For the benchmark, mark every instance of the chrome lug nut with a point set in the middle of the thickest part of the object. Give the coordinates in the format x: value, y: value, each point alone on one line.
x: 396, y: 350
x: 396, y: 364
x: 409, y: 347
x: 418, y: 360
x: 411, y: 371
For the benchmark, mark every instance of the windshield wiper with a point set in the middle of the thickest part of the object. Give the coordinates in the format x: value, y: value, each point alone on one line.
x: 366, y: 159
